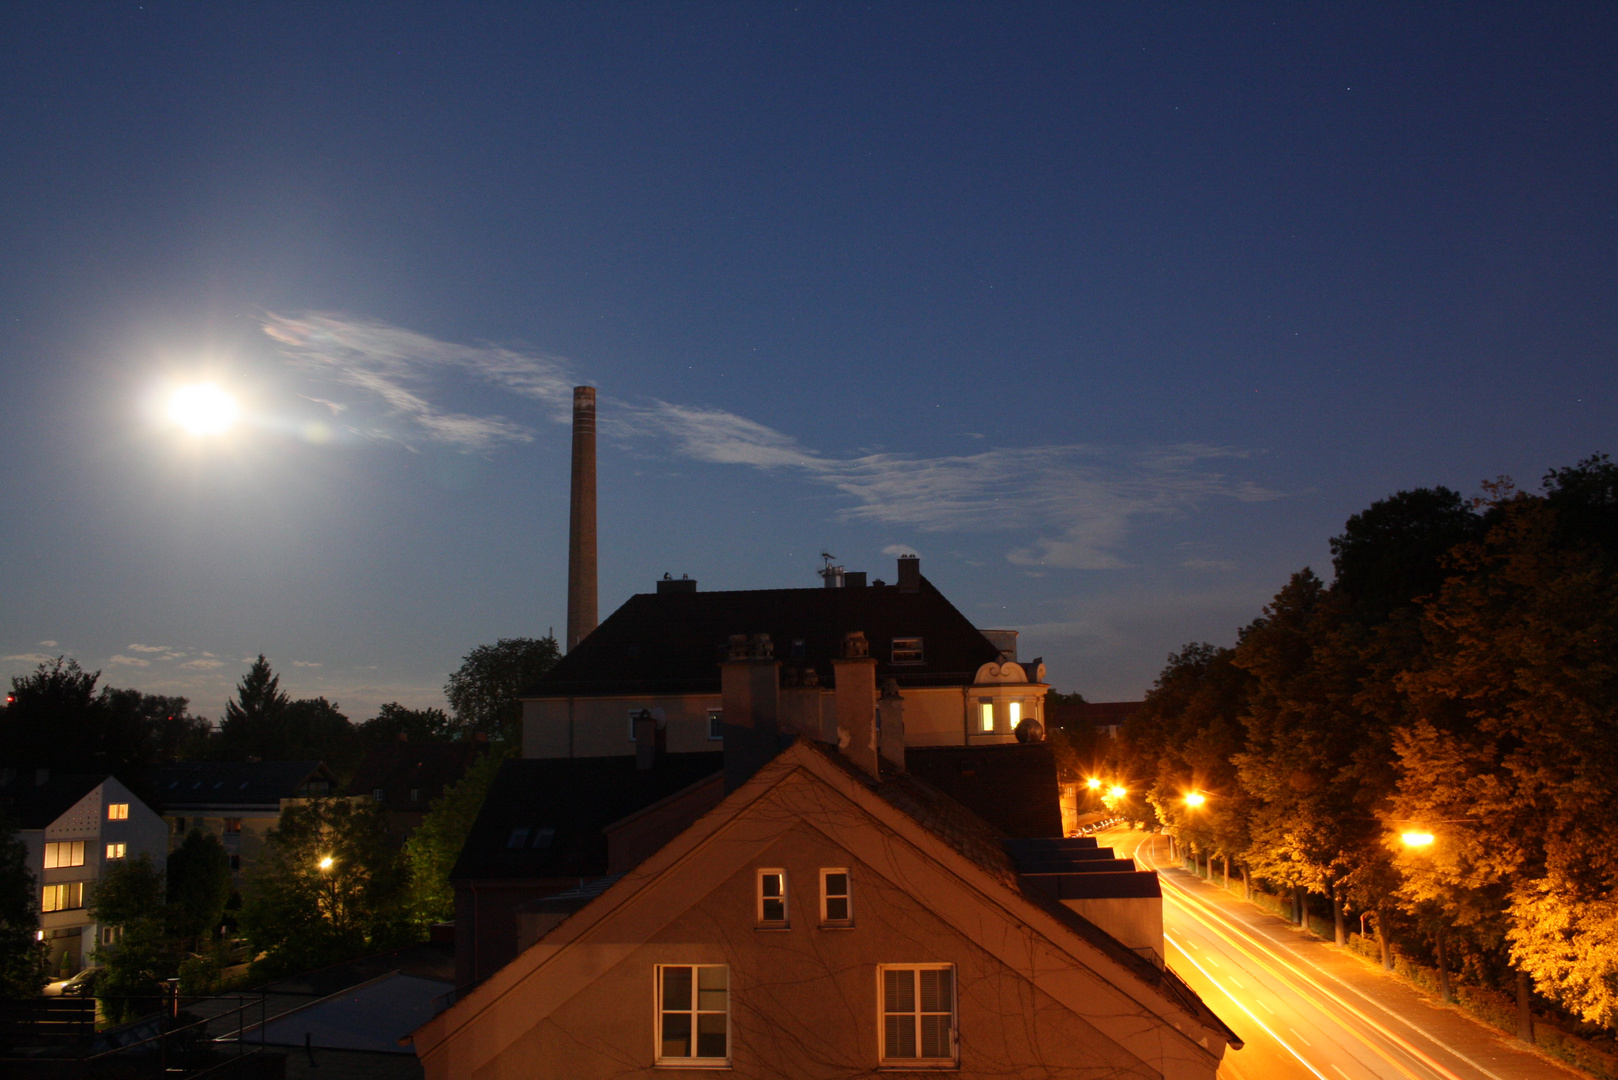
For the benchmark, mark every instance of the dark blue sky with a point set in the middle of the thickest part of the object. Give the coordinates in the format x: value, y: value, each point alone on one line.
x: 1113, y: 313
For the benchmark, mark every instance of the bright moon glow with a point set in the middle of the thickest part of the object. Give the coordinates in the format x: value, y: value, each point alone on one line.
x: 203, y: 409
x: 1417, y: 839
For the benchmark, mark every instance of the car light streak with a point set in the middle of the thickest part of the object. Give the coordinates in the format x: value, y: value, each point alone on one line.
x: 1237, y: 1002
x: 1217, y: 924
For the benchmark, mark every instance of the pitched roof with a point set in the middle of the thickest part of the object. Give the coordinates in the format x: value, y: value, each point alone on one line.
x: 399, y: 766
x: 1011, y: 785
x: 672, y: 642
x: 561, y: 807
x: 938, y: 816
x: 30, y: 805
x: 178, y: 785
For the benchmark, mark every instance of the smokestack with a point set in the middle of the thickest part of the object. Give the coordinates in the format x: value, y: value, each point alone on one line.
x: 581, y: 535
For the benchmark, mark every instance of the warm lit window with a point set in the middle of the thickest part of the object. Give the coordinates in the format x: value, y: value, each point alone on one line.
x: 907, y: 650
x: 64, y: 853
x: 985, y: 715
x: 63, y: 897
x: 772, y: 898
x: 118, y: 811
x: 693, y: 1018
x: 918, y: 1014
x: 836, y: 905
x: 115, y: 851
x: 1016, y: 714
x: 233, y: 825
x: 716, y: 723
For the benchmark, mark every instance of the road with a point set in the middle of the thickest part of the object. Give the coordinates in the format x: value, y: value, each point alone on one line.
x: 1308, y: 1010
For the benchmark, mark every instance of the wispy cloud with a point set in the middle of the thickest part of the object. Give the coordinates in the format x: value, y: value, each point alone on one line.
x: 30, y: 658
x: 47, y: 644
x: 150, y: 648
x: 1076, y: 503
x: 307, y: 663
x: 202, y: 664
x: 128, y: 661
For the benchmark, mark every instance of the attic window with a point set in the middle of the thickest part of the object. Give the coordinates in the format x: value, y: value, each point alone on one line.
x: 797, y: 648
x: 543, y: 838
x: 907, y: 650
x: 518, y: 838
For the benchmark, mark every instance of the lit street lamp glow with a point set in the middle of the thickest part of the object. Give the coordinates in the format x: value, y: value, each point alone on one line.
x: 203, y: 409
x: 1416, y: 839
x: 1196, y: 798
x: 1118, y: 792
x: 1093, y: 784
x: 325, y: 864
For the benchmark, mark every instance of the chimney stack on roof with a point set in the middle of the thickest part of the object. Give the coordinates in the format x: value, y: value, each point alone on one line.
x: 581, y: 538
x: 910, y: 573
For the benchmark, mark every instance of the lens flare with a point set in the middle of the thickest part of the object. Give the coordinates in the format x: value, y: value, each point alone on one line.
x: 203, y: 409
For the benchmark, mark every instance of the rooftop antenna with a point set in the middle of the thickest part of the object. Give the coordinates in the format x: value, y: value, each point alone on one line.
x: 831, y: 575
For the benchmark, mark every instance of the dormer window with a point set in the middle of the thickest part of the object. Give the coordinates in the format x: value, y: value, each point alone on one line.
x: 907, y: 650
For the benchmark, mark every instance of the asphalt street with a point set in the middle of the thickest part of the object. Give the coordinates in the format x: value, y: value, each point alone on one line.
x: 1307, y: 1009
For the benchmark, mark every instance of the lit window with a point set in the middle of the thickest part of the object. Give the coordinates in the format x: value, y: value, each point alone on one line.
x: 836, y: 907
x: 693, y: 1018
x: 772, y: 898
x: 985, y: 715
x: 907, y: 650
x: 64, y: 853
x: 233, y: 825
x: 63, y: 897
x: 115, y: 851
x: 1016, y: 714
x: 918, y: 1014
x: 716, y: 723
x: 118, y: 811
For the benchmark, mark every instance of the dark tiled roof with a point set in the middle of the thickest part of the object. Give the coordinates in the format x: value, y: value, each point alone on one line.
x: 30, y: 805
x: 672, y: 642
x: 1012, y: 786
x: 182, y: 784
x: 564, y: 805
x: 398, y: 767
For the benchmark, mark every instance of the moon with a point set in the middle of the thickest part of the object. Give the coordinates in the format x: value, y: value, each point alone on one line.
x: 203, y: 409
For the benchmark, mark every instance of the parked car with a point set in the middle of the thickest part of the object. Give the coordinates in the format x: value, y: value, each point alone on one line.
x: 83, y: 984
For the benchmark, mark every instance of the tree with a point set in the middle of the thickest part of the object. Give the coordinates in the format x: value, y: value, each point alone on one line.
x: 1396, y: 550
x: 198, y: 885
x: 250, y: 719
x: 483, y: 691
x: 433, y: 848
x: 57, y: 721
x: 393, y: 719
x: 130, y: 897
x: 328, y: 886
x: 22, y: 960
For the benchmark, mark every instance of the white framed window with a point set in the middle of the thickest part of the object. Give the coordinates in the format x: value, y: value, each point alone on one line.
x: 65, y: 897
x: 376, y: 794
x: 836, y: 900
x: 716, y: 723
x: 118, y: 811
x: 64, y: 853
x: 985, y: 714
x: 1016, y: 714
x: 918, y: 1014
x: 111, y: 935
x: 233, y: 825
x: 693, y: 1014
x: 772, y: 898
x: 116, y: 851
x: 907, y: 650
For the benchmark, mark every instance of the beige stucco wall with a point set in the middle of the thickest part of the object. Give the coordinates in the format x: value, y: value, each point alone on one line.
x: 599, y: 726
x: 803, y: 1001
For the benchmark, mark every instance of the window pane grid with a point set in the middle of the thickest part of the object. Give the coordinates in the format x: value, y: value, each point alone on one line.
x: 835, y: 903
x: 772, y: 897
x: 694, y: 1016
x: 918, y: 1013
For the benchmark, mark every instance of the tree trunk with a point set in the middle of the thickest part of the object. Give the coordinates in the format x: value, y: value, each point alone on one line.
x: 1300, y: 907
x: 1444, y: 991
x: 1382, y: 936
x: 1525, y: 1012
x: 1227, y: 871
x: 1338, y: 928
x: 1247, y: 885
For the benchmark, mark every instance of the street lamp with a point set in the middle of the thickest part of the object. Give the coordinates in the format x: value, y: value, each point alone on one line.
x: 1117, y: 792
x: 1093, y: 784
x: 1416, y: 839
x: 1195, y: 799
x: 325, y: 863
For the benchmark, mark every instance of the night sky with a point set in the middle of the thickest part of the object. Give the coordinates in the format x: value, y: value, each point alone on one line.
x: 1113, y: 313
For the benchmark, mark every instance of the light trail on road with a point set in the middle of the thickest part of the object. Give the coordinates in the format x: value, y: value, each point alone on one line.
x: 1305, y: 1029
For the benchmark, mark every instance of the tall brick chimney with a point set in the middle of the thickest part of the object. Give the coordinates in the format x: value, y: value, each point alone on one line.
x: 581, y: 536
